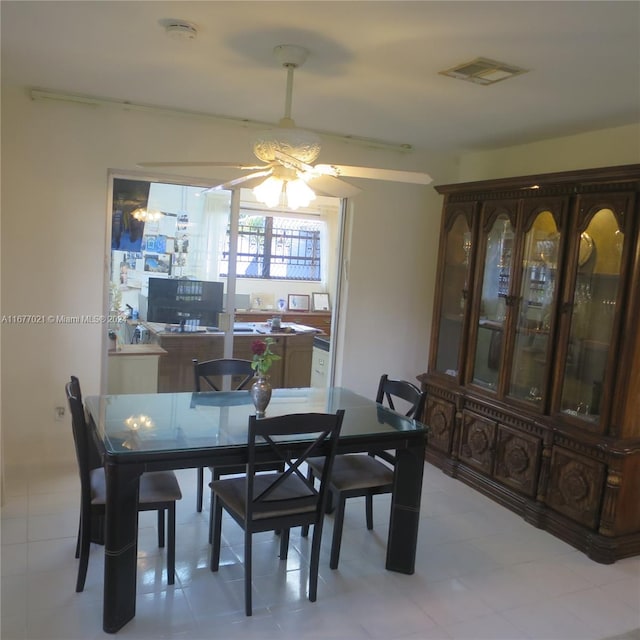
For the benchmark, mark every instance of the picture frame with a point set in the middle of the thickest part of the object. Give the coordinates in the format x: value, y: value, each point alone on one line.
x: 261, y: 301
x: 158, y: 262
x: 320, y: 302
x: 298, y: 302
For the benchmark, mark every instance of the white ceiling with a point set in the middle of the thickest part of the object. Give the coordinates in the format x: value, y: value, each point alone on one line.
x: 372, y: 71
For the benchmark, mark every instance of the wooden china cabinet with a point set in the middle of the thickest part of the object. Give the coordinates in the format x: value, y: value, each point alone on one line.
x: 533, y: 387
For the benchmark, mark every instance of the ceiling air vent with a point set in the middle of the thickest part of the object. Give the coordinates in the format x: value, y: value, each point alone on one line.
x: 483, y: 71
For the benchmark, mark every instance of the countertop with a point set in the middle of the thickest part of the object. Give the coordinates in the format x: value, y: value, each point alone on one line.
x: 241, y: 328
x: 138, y: 350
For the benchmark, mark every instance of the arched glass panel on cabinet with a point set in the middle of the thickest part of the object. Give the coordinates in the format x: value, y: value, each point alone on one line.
x: 454, y: 296
x: 593, y: 315
x: 534, y: 310
x: 493, y: 305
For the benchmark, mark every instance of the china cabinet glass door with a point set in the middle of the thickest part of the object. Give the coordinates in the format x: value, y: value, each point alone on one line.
x: 595, y: 295
x: 534, y: 310
x: 454, y: 284
x: 495, y: 296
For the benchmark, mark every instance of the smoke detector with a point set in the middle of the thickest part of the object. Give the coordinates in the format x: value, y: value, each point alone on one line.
x: 483, y: 71
x: 180, y: 30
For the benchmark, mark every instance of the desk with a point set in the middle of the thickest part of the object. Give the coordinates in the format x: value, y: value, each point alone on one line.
x: 200, y: 429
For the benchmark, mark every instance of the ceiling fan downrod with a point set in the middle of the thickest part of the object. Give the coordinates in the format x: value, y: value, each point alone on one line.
x: 291, y: 56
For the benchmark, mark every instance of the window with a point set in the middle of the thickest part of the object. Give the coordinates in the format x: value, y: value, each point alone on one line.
x: 276, y: 248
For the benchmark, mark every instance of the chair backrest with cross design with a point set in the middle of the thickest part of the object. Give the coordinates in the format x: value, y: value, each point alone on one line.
x: 284, y: 499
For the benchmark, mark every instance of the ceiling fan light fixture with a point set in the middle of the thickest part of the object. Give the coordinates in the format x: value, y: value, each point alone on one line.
x: 146, y: 215
x: 268, y: 192
x: 299, y: 194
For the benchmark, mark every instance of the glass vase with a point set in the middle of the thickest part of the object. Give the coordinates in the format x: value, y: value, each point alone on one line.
x: 261, y: 394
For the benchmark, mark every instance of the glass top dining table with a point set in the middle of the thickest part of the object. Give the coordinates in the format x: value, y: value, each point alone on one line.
x: 149, y: 432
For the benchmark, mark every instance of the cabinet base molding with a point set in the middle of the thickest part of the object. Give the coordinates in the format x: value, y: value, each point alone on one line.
x: 575, y: 487
x: 600, y: 548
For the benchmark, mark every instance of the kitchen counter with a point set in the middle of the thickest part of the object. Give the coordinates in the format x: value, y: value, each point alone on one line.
x: 240, y: 328
x: 137, y: 350
x: 293, y: 343
x: 319, y: 320
x: 133, y: 368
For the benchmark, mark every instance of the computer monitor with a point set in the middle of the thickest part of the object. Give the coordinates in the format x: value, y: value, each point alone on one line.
x: 191, y: 304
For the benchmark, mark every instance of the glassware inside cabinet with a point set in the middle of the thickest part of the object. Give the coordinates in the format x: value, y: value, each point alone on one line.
x: 454, y: 295
x: 534, y: 310
x: 493, y: 305
x: 593, y: 316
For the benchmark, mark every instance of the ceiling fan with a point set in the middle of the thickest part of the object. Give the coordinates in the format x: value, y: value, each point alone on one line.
x: 287, y: 153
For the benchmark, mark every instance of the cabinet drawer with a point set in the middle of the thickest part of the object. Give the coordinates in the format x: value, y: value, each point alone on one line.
x: 575, y: 486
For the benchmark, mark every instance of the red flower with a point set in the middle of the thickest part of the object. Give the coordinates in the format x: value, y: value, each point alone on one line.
x: 258, y: 347
x: 263, y: 357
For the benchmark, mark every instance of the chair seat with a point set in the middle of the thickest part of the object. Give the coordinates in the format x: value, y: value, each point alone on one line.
x: 293, y: 496
x: 155, y: 487
x: 355, y: 471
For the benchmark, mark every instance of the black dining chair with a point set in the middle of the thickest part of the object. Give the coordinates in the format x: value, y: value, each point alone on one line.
x: 159, y: 491
x: 356, y: 475
x: 208, y: 377
x: 279, y: 500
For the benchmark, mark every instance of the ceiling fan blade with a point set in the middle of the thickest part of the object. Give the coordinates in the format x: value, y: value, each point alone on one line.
x: 242, y: 180
x: 230, y: 165
x: 391, y: 175
x: 330, y: 186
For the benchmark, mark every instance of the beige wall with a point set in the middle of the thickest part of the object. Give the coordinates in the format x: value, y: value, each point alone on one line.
x: 604, y: 148
x: 55, y: 159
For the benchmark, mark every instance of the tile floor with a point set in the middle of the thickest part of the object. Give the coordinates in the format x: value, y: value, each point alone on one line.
x: 482, y: 573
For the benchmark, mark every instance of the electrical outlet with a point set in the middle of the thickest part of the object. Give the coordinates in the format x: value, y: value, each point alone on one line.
x: 58, y: 413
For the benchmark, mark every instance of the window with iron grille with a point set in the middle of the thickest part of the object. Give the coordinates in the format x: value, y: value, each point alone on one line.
x: 276, y: 248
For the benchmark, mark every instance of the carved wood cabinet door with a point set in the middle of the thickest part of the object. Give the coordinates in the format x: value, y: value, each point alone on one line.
x: 477, y: 441
x: 518, y: 460
x: 575, y: 486
x: 440, y: 416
